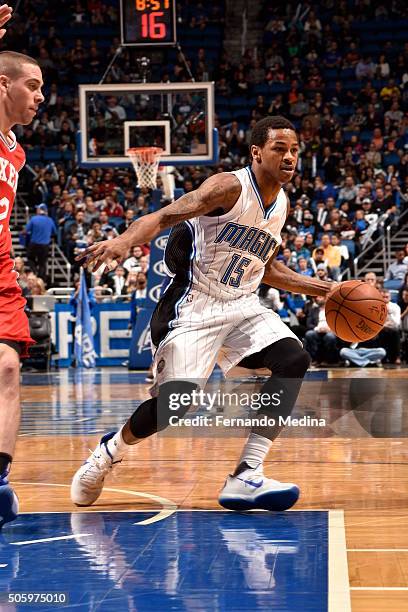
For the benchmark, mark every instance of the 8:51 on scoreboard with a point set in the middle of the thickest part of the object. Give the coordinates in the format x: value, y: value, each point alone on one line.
x: 148, y: 22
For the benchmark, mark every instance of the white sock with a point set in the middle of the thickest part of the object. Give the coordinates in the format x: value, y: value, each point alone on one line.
x: 255, y: 450
x: 117, y: 446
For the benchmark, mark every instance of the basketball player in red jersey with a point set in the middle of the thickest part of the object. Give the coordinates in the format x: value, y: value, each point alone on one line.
x: 20, y: 96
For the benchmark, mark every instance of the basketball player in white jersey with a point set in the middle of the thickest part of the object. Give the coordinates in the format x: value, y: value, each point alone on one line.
x: 222, y: 246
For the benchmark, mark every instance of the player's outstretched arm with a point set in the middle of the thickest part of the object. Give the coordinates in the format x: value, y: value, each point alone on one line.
x: 219, y: 191
x: 279, y: 276
x: 5, y: 16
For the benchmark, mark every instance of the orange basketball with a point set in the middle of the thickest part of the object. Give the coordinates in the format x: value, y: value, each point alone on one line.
x: 356, y: 311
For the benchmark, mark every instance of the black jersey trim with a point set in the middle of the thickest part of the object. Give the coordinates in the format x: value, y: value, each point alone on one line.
x: 180, y: 263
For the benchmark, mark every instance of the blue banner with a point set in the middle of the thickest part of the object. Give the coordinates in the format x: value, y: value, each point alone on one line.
x: 157, y: 272
x: 111, y: 336
x: 112, y: 341
x: 84, y: 351
x: 140, y: 355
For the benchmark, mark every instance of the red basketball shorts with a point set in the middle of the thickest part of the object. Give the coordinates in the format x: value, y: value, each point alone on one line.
x: 13, y: 320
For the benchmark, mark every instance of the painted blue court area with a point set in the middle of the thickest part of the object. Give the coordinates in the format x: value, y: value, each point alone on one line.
x: 192, y: 560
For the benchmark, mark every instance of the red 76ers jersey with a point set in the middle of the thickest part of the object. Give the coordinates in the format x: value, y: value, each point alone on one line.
x: 12, y: 160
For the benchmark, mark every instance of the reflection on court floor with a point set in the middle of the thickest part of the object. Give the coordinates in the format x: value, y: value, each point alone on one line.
x: 202, y: 560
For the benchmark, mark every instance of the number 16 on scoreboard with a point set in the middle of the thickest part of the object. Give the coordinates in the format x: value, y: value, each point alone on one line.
x: 148, y: 22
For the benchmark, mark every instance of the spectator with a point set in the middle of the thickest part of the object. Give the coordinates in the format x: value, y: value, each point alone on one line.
x: 403, y: 304
x: 35, y: 285
x: 40, y: 230
x: 299, y: 250
x: 270, y: 298
x: 322, y: 272
x: 362, y: 356
x: 130, y: 283
x: 405, y: 260
x: 119, y: 281
x: 371, y: 278
x: 344, y: 252
x: 303, y: 267
x: 307, y: 226
x: 360, y: 223
x: 318, y: 258
x: 95, y: 234
x: 394, y: 276
x: 348, y: 192
x: 300, y: 107
x: 144, y: 264
x: 138, y: 297
x: 91, y: 211
x: 114, y: 111
x: 106, y: 227
x: 365, y: 69
x: 389, y: 336
x: 320, y: 342
x: 82, y: 227
x: 112, y: 206
x: 19, y: 267
x: 132, y: 263
x: 383, y: 67
x: 129, y: 218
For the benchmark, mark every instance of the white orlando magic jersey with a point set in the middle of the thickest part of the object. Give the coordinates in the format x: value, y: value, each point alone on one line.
x: 213, y: 261
x: 229, y: 252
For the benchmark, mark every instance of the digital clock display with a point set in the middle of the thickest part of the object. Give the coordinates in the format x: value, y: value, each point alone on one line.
x: 148, y: 22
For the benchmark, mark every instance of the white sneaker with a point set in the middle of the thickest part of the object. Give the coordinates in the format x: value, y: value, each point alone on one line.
x: 87, y: 483
x: 250, y: 490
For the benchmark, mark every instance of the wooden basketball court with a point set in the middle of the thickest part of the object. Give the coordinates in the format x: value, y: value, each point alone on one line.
x: 65, y: 413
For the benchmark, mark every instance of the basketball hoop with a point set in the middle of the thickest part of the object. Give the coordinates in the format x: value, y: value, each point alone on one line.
x: 145, y: 161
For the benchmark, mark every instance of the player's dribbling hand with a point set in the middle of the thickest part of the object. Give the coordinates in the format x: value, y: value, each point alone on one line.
x: 333, y: 287
x: 109, y: 253
x: 5, y: 15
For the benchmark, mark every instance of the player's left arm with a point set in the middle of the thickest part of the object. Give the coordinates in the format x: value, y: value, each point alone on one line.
x: 281, y: 277
x: 5, y: 16
x: 278, y: 275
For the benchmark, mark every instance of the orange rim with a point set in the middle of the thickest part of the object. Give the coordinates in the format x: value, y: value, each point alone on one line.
x: 146, y: 154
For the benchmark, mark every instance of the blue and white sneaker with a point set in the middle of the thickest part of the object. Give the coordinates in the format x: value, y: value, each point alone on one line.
x: 88, y: 481
x: 8, y: 502
x: 250, y: 490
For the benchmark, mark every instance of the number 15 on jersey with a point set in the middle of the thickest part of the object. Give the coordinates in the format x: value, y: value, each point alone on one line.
x: 235, y: 270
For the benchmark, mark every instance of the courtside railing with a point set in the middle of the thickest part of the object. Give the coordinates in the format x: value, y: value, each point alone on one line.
x: 59, y: 262
x: 382, y: 246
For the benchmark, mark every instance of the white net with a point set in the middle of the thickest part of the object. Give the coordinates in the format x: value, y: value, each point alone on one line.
x: 145, y: 161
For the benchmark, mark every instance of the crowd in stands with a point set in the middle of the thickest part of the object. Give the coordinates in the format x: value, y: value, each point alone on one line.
x: 306, y: 317
x: 337, y: 70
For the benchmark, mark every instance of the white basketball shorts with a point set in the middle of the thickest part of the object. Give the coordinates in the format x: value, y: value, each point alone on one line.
x: 189, y: 338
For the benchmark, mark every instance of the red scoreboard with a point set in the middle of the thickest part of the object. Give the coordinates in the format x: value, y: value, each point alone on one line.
x: 148, y: 22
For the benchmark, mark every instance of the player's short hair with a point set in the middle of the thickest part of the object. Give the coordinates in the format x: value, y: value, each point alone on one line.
x: 11, y: 63
x: 260, y: 133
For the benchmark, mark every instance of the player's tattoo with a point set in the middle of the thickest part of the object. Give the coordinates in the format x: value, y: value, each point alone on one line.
x: 219, y: 191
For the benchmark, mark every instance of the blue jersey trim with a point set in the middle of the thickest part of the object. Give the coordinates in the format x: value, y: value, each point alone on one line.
x: 266, y: 212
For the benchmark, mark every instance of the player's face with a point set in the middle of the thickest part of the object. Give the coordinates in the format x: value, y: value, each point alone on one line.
x: 279, y: 155
x: 24, y: 95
